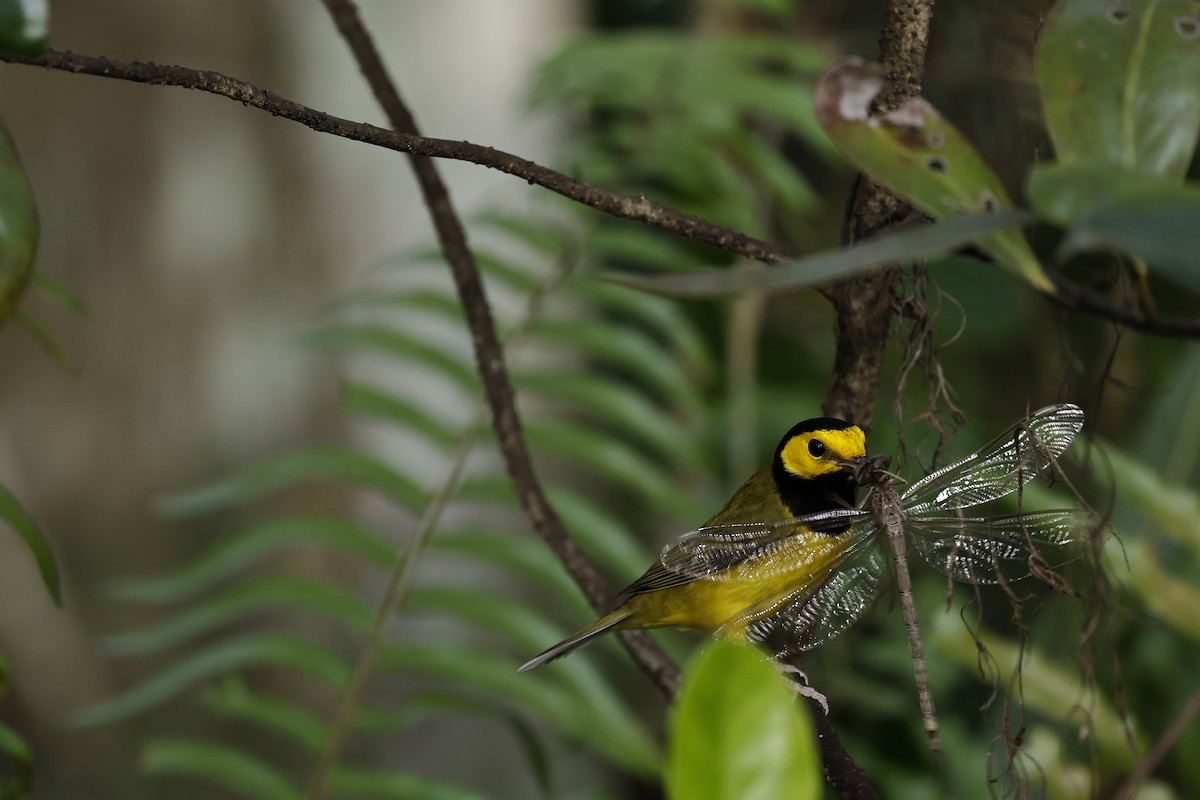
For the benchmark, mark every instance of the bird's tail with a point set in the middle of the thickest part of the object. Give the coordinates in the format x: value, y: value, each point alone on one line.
x: 584, y: 636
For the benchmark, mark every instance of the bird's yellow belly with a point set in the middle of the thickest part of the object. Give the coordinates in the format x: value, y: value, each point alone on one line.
x: 795, y: 567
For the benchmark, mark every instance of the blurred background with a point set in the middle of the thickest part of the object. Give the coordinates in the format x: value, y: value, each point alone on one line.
x: 208, y: 242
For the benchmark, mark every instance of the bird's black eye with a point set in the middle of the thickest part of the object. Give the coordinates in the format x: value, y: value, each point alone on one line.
x: 816, y: 448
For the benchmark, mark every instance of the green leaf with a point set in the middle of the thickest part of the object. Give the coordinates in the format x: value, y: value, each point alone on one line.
x: 239, y: 601
x: 1163, y: 595
x: 57, y: 292
x: 371, y: 401
x: 1159, y: 229
x: 14, y: 515
x: 1046, y: 687
x: 599, y: 530
x: 665, y: 318
x: 219, y: 765
x: 611, y: 403
x: 919, y: 155
x: 19, y: 778
x: 738, y: 732
x: 24, y: 27
x: 19, y: 226
x: 232, y: 698
x: 248, y: 546
x: 411, y: 348
x: 223, y: 658
x: 498, y: 679
x: 330, y: 462
x: 14, y: 745
x: 525, y: 557
x: 439, y: 303
x: 47, y: 341
x: 625, y: 351
x: 1172, y: 507
x: 548, y: 239
x: 608, y: 457
x: 923, y: 241
x: 1120, y: 84
x: 358, y: 782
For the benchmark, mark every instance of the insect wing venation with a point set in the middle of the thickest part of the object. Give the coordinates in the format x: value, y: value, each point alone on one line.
x: 1001, y: 467
x: 713, y: 551
x: 987, y: 550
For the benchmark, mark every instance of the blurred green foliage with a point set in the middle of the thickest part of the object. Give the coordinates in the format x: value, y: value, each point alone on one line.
x: 644, y: 414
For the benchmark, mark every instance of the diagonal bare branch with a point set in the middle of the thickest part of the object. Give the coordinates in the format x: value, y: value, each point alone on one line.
x: 488, y: 351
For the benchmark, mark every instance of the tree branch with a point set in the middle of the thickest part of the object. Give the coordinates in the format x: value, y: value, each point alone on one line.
x: 864, y: 304
x: 488, y: 352
x: 406, y: 141
x: 840, y: 399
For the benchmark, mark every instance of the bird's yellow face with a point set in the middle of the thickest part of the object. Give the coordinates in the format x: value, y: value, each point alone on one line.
x: 811, y: 454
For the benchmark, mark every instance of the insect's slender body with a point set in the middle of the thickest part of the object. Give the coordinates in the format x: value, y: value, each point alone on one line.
x: 888, y: 511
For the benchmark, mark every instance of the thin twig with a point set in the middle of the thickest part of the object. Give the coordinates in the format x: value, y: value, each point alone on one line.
x: 636, y: 208
x: 488, y: 352
x: 1189, y: 711
x: 405, y: 140
x: 864, y: 304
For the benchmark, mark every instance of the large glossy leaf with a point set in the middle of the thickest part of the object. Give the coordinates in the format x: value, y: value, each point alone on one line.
x: 24, y: 27
x: 1159, y: 229
x: 738, y: 732
x: 917, y: 242
x: 916, y: 153
x: 19, y: 227
x: 220, y: 765
x: 13, y: 514
x: 1120, y: 83
x: 330, y: 462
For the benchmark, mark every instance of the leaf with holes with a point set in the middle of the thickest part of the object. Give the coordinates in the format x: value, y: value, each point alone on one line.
x: 916, y: 153
x: 1120, y: 83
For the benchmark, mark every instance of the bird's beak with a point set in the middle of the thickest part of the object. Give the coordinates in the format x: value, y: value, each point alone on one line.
x: 864, y: 467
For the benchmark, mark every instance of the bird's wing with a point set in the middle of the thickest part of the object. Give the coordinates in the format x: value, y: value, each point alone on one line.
x: 1008, y: 462
x: 808, y: 618
x: 711, y: 552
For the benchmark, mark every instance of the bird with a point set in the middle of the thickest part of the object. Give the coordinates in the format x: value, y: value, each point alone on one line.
x: 706, y: 581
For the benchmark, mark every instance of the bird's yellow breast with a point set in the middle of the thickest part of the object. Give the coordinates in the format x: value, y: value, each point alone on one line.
x: 734, y: 598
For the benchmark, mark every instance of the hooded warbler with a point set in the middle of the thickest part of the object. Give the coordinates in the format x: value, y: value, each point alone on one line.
x: 812, y: 471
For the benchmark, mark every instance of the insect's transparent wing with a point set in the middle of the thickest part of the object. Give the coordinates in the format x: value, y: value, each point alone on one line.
x: 712, y: 551
x: 1009, y: 461
x: 809, y: 617
x: 995, y: 549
